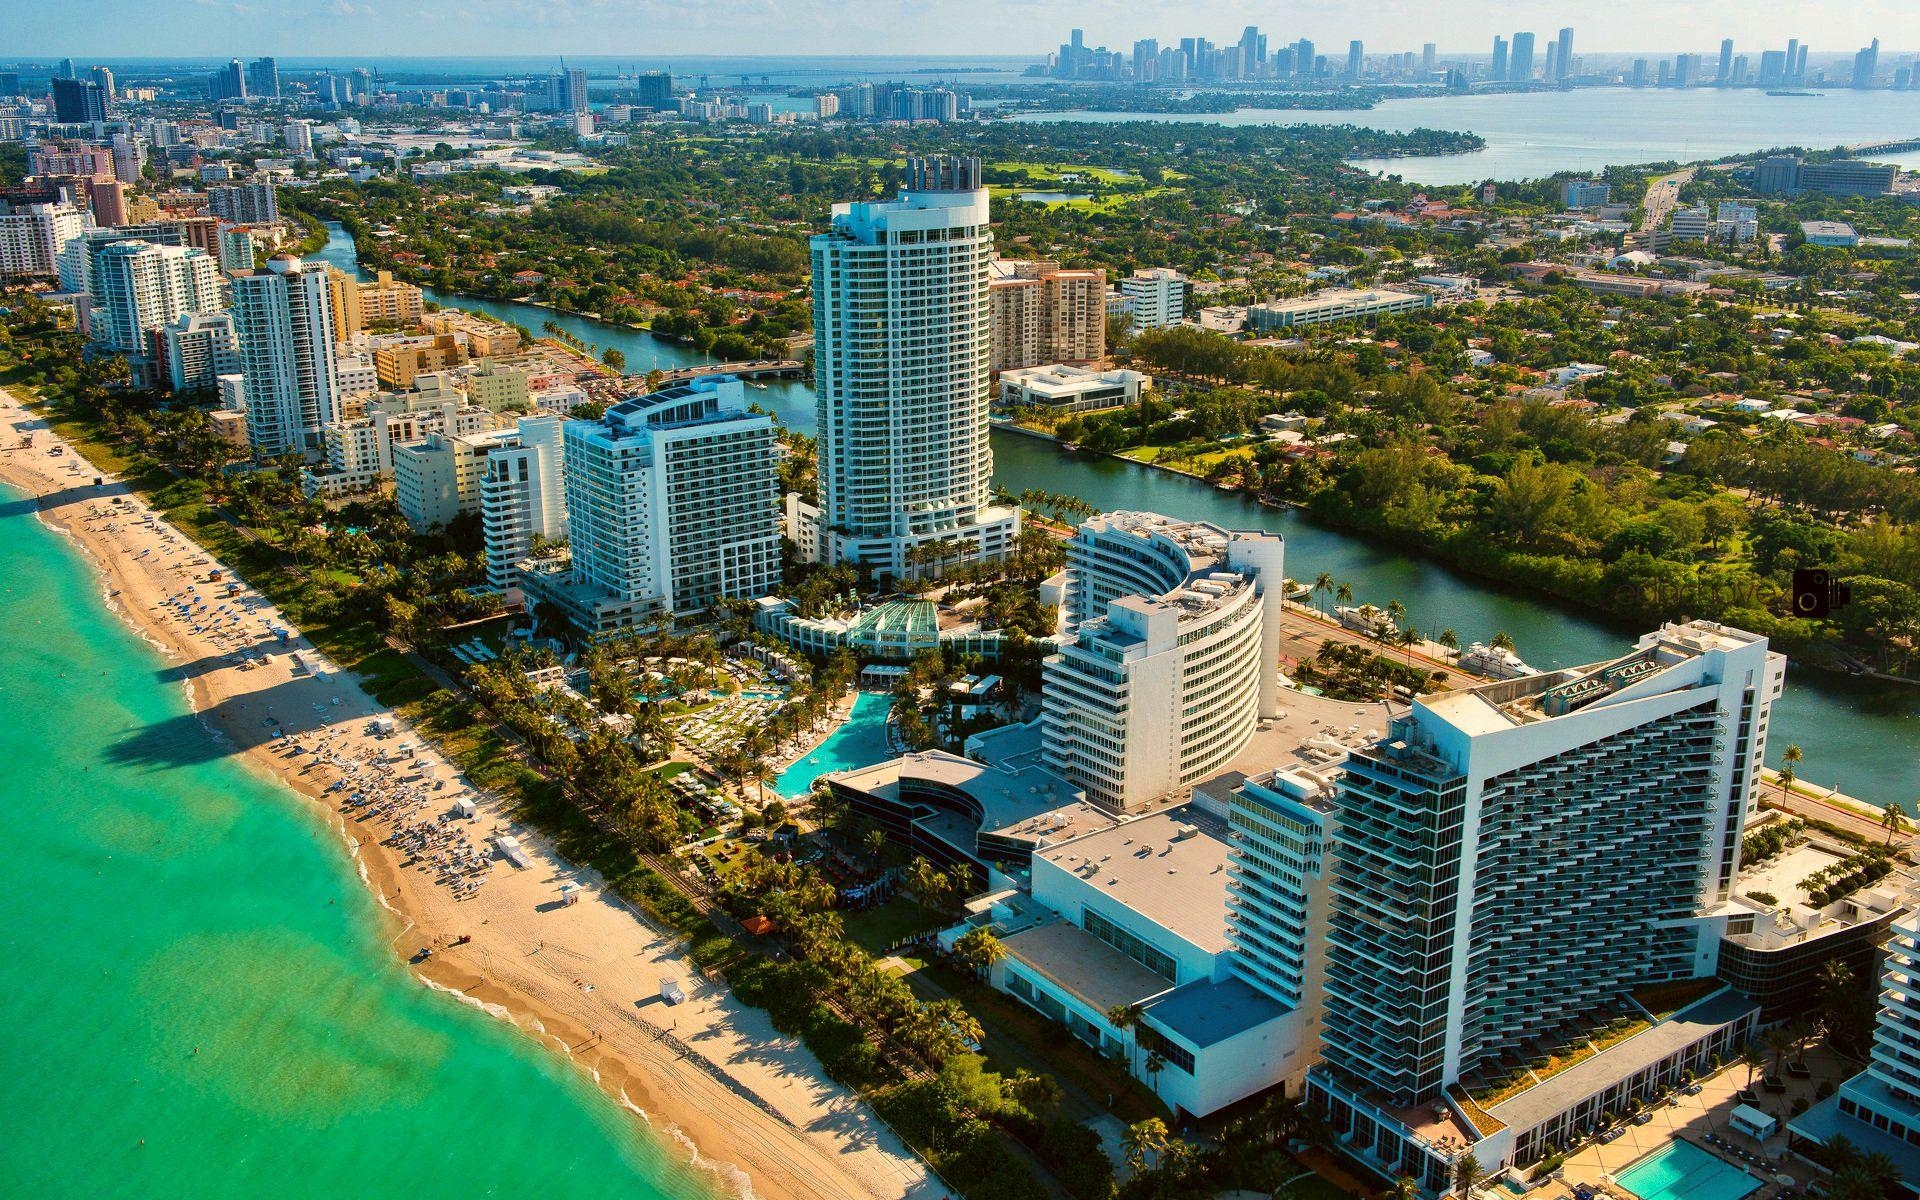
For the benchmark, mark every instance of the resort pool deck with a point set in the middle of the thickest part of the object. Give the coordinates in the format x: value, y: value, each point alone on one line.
x: 1683, y: 1171
x: 860, y: 742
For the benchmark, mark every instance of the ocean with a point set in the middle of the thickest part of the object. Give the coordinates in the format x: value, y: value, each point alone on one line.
x: 197, y: 997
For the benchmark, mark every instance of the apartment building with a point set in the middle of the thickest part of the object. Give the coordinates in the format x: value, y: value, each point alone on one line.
x: 1158, y: 296
x: 284, y: 319
x: 437, y: 479
x: 523, y: 498
x: 137, y: 288
x: 398, y: 360
x: 194, y: 350
x: 255, y: 203
x: 34, y: 236
x: 359, y: 451
x: 1333, y: 306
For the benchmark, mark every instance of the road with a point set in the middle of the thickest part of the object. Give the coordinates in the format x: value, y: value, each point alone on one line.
x: 1662, y: 194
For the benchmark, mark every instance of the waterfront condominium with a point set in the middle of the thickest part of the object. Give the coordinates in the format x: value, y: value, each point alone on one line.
x: 901, y: 351
x: 1513, y: 858
x: 33, y: 237
x: 1878, y: 1110
x: 672, y: 507
x: 283, y: 317
x: 522, y: 497
x: 137, y: 288
x: 1172, y: 659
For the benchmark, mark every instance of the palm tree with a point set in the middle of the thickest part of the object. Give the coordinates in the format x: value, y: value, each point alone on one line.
x: 1778, y: 1041
x: 1450, y: 640
x: 979, y: 949
x: 1323, y: 584
x: 876, y: 841
x: 1788, y: 761
x: 1467, y: 1174
x: 1404, y: 1188
x: 1144, y: 1138
x: 1154, y: 1065
x: 1754, y: 1060
x: 1125, y: 1018
x: 1501, y: 641
x: 1343, y: 594
x: 1397, y: 615
x: 1893, y: 818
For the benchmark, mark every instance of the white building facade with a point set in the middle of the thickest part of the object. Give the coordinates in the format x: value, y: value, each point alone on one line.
x: 284, y: 318
x: 1158, y: 296
x: 523, y: 497
x: 902, y: 343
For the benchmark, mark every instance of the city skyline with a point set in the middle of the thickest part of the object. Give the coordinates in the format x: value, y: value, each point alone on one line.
x: 180, y: 28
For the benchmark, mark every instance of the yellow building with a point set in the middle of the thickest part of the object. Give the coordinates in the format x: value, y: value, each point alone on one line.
x: 345, y: 291
x: 387, y: 301
x: 398, y: 361
x: 484, y: 338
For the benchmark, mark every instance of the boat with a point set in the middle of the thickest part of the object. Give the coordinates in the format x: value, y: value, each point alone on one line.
x: 1494, y: 662
x: 1789, y: 92
x: 756, y: 383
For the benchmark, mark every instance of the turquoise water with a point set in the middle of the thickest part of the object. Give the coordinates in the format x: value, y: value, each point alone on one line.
x: 159, y: 898
x: 1683, y: 1171
x: 860, y: 742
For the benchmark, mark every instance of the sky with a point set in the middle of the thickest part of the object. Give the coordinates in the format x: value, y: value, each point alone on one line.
x: 656, y: 28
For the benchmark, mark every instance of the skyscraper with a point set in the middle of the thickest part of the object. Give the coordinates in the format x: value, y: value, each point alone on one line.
x: 1356, y: 58
x: 244, y: 203
x: 103, y: 79
x: 573, y: 90
x: 902, y: 338
x: 1866, y: 64
x: 1520, y: 62
x: 1428, y: 53
x: 1795, y: 65
x: 1725, y: 77
x: 284, y: 319
x: 1303, y: 57
x: 76, y: 100
x: 263, y: 79
x: 1878, y: 1110
x: 228, y: 82
x: 1563, y: 55
x: 1452, y: 931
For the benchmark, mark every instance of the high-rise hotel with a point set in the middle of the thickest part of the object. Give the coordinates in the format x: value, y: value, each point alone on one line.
x: 902, y: 343
x: 1518, y: 856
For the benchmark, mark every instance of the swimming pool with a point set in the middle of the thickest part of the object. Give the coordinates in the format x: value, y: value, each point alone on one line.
x: 861, y: 742
x: 1683, y: 1171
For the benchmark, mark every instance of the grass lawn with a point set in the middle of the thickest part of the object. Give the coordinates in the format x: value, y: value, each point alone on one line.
x: 877, y: 928
x: 668, y: 770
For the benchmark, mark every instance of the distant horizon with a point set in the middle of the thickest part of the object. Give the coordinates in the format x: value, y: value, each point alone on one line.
x: 134, y: 30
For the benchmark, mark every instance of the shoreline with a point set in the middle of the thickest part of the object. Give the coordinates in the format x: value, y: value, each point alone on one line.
x: 750, y: 1107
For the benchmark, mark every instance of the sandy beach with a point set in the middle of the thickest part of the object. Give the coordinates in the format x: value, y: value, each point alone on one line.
x: 745, y: 1101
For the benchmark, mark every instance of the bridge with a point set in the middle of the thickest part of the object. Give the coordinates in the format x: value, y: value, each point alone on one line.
x: 764, y: 368
x: 1895, y: 146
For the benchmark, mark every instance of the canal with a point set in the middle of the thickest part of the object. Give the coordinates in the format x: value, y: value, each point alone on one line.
x: 1859, y: 736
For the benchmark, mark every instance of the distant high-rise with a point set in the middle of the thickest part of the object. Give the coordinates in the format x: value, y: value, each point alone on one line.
x: 284, y: 320
x: 1498, y: 71
x: 1563, y: 55
x: 1775, y: 68
x: 1866, y: 65
x: 228, y: 82
x: 66, y: 70
x: 1800, y: 66
x: 244, y: 203
x: 1520, y: 62
x: 102, y: 79
x: 653, y: 89
x: 1428, y: 53
x: 78, y: 101
x: 573, y: 90
x: 1356, y: 58
x: 1304, y: 60
x: 902, y: 340
x: 263, y: 79
x: 1793, y: 69
x: 1686, y: 70
x: 1725, y: 76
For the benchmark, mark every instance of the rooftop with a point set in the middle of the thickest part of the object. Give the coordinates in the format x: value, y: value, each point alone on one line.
x: 1170, y: 867
x: 1205, y: 1013
x: 1084, y: 965
x: 1597, y: 1073
x: 1019, y: 799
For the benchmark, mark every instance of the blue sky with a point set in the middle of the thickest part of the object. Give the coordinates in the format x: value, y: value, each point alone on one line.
x: 655, y: 28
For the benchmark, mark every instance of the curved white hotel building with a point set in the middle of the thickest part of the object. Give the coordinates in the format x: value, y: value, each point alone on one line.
x: 902, y: 342
x: 1174, y: 657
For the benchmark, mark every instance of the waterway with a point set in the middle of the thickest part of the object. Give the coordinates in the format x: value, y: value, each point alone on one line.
x: 1535, y: 134
x: 197, y: 996
x: 1858, y: 736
